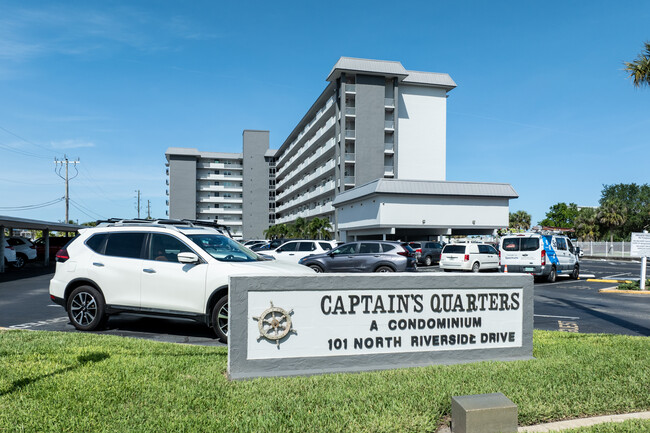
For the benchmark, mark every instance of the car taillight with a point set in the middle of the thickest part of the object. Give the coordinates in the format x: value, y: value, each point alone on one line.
x: 466, y: 257
x: 10, y: 248
x: 62, y: 255
x: 543, y: 257
x: 418, y: 250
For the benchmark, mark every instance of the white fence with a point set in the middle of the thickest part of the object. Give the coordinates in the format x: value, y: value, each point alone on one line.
x: 605, y: 249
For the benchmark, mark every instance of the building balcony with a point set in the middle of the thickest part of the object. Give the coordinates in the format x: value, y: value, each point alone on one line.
x: 236, y: 200
x: 219, y: 211
x: 224, y: 177
x: 350, y: 88
x: 307, y: 148
x: 326, y: 149
x: 350, y: 133
x: 317, y: 117
x: 349, y: 157
x: 348, y: 180
x: 218, y: 188
x: 389, y: 124
x: 350, y: 111
x: 389, y: 103
x: 219, y: 165
x: 389, y: 147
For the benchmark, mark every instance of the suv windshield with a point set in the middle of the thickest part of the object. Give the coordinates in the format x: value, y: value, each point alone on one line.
x: 224, y: 249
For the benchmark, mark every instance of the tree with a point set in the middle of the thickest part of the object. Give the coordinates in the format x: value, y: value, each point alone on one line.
x: 319, y: 228
x: 635, y: 199
x: 586, y: 224
x: 520, y: 220
x: 639, y: 69
x: 298, y: 229
x: 612, y: 214
x: 561, y: 215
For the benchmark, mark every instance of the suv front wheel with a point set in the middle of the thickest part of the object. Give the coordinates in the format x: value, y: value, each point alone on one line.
x: 220, y: 319
x: 86, y: 308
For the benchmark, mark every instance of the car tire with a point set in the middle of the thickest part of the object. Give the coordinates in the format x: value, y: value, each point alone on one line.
x: 317, y: 269
x: 384, y: 269
x: 576, y: 272
x: 86, y: 308
x: 476, y: 267
x: 220, y: 319
x: 550, y: 278
x: 428, y: 261
x: 21, y: 259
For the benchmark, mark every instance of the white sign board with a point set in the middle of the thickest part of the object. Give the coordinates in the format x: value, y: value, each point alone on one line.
x: 355, y: 322
x: 640, y: 245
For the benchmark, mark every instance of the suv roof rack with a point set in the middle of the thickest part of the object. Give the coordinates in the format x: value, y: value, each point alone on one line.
x: 165, y: 222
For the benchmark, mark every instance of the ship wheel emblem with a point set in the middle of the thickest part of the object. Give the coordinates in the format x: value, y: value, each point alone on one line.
x: 274, y: 324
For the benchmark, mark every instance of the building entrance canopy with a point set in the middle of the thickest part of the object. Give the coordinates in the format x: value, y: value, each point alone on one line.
x: 412, y: 209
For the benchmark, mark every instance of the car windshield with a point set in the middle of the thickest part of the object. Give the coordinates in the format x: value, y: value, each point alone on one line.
x: 224, y: 249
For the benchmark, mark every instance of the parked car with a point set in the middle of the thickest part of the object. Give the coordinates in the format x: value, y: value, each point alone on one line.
x: 269, y: 245
x: 542, y: 255
x: 56, y: 243
x: 294, y: 250
x: 10, y: 254
x: 25, y: 250
x: 428, y: 252
x: 154, y: 268
x: 364, y: 256
x: 469, y: 257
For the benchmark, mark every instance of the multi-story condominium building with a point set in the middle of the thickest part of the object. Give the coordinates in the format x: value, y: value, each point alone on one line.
x: 374, y: 120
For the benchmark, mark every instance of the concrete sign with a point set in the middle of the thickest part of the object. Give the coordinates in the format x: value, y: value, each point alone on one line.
x: 640, y: 245
x: 283, y: 326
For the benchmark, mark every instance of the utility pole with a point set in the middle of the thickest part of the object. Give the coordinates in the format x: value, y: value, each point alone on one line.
x: 58, y: 167
x: 148, y: 209
x: 138, y: 205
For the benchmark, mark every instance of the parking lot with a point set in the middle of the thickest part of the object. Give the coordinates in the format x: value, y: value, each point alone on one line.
x: 566, y: 305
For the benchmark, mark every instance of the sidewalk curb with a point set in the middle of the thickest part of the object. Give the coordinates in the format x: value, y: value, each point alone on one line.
x: 600, y: 280
x: 583, y: 422
x: 572, y: 423
x: 615, y: 290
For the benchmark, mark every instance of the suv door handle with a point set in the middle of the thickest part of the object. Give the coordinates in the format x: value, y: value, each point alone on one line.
x: 524, y: 255
x: 149, y: 271
x: 100, y: 265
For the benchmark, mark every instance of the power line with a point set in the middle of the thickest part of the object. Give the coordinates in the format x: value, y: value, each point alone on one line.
x: 79, y: 206
x: 26, y: 141
x: 32, y: 206
x: 22, y: 152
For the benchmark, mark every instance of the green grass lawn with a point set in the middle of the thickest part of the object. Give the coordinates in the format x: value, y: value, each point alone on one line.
x: 87, y: 382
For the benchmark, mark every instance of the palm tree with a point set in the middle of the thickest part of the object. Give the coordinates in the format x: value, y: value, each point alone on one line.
x: 586, y: 224
x: 520, y: 220
x: 612, y: 214
x: 319, y: 228
x: 639, y: 69
x: 271, y: 232
x: 299, y: 228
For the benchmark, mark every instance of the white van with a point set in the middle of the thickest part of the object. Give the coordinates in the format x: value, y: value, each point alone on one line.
x: 541, y: 255
x: 469, y: 257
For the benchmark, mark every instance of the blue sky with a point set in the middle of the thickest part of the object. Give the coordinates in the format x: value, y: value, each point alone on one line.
x: 542, y: 101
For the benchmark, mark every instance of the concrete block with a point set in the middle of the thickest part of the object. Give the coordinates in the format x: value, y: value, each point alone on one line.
x: 483, y: 413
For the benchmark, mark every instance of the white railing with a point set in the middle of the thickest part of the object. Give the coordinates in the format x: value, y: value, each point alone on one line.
x: 389, y: 102
x: 350, y: 88
x: 350, y: 156
x: 389, y: 124
x: 389, y: 169
x: 389, y: 147
x: 349, y: 180
x: 350, y: 111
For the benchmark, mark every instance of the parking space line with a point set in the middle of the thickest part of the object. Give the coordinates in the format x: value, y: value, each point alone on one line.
x: 39, y: 323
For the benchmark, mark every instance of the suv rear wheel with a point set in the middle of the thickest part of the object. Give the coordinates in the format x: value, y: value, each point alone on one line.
x: 86, y: 308
x: 21, y: 259
x: 428, y: 261
x: 476, y: 267
x: 220, y: 319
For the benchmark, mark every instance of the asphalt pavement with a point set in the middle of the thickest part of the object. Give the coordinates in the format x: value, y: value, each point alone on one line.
x: 566, y: 305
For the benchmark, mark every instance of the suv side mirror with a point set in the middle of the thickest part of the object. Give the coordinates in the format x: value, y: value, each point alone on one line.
x: 188, y: 258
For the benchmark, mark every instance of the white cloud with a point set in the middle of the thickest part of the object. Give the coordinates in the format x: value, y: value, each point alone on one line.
x: 71, y: 144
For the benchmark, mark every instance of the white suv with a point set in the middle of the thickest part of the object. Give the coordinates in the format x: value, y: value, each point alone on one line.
x: 162, y: 268
x: 25, y: 250
x: 293, y: 251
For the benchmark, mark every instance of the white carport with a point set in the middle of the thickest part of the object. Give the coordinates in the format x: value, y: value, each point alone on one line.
x: 7, y: 222
x: 418, y: 210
